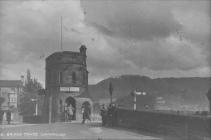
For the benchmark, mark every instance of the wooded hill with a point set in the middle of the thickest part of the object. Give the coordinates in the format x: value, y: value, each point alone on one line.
x: 174, y: 90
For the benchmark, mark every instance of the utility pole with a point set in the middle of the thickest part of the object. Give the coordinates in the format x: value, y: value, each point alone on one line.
x: 111, y: 91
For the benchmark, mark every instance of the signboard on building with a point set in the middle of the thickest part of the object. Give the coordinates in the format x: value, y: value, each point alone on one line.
x: 69, y: 89
x: 74, y: 91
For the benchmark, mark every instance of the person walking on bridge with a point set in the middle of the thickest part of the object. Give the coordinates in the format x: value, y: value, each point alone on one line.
x: 8, y: 114
x: 86, y: 111
x: 209, y: 98
x: 1, y: 116
x: 112, y: 114
x: 66, y: 112
x: 103, y: 114
x: 70, y: 110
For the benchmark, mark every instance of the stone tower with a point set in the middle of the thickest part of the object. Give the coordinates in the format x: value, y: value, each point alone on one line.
x: 66, y: 83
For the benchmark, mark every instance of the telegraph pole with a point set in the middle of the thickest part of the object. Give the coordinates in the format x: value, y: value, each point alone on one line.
x: 111, y: 91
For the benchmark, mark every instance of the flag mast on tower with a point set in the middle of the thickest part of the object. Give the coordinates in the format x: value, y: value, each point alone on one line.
x: 61, y: 35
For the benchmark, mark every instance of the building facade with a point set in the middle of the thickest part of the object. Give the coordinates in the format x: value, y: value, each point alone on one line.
x: 66, y: 83
x: 11, y: 90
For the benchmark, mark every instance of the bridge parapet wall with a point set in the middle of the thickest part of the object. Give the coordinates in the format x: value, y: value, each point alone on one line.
x: 184, y: 126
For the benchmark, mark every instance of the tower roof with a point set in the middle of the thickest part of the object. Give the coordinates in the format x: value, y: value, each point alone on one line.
x: 59, y: 54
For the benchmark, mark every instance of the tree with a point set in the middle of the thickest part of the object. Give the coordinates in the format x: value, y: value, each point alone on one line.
x: 1, y: 111
x: 1, y: 101
x: 30, y: 92
x: 31, y: 85
x: 28, y: 76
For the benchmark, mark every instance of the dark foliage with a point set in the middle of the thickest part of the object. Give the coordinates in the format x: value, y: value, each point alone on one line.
x: 30, y: 93
x: 1, y: 101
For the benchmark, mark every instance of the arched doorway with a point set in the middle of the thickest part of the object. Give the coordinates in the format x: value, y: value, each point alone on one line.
x: 86, y: 111
x: 72, y: 101
x: 86, y: 103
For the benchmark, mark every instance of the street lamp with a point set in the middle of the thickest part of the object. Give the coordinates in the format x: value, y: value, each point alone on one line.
x: 36, y: 106
x: 134, y: 94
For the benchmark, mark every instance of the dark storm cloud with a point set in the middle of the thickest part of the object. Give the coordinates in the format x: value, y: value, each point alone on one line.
x: 156, y: 35
x: 160, y: 55
x: 31, y: 29
x: 137, y: 19
x: 122, y: 37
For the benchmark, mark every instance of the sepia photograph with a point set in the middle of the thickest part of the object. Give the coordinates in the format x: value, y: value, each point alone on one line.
x: 105, y: 69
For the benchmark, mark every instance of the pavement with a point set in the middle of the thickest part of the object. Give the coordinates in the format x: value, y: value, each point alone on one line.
x: 73, y: 130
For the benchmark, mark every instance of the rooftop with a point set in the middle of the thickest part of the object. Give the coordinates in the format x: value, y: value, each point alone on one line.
x: 10, y: 83
x: 59, y: 54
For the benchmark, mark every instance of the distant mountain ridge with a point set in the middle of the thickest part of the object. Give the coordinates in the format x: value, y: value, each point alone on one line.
x: 190, y: 90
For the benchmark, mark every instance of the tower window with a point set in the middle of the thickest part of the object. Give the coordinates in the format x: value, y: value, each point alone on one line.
x: 60, y: 78
x: 74, y: 77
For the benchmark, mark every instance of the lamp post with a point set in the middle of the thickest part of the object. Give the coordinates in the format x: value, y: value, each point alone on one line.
x: 50, y: 109
x: 9, y: 100
x: 36, y: 106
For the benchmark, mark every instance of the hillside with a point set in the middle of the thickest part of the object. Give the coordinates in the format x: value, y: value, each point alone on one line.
x: 174, y: 90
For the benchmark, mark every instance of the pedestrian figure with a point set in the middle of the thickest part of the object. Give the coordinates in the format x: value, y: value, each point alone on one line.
x: 86, y: 111
x: 1, y: 116
x: 109, y: 115
x: 209, y: 97
x: 70, y: 112
x: 112, y: 115
x: 103, y: 114
x: 8, y: 116
x: 65, y: 113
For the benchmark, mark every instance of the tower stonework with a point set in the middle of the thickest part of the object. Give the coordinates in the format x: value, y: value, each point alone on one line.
x: 66, y: 83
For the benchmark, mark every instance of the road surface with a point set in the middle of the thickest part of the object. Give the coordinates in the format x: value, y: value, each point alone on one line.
x: 73, y: 130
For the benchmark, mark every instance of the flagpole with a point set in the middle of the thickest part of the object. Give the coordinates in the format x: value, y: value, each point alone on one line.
x: 61, y: 36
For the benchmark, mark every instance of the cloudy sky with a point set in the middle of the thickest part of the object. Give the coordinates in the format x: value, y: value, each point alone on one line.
x: 156, y: 38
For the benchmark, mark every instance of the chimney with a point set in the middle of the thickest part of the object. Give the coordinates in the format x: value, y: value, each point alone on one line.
x: 83, y: 50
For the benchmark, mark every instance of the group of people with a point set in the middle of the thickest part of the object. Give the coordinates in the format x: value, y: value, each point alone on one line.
x: 69, y: 112
x: 8, y: 116
x: 109, y: 115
